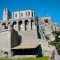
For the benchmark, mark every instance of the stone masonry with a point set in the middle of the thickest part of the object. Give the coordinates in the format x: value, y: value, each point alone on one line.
x: 31, y: 29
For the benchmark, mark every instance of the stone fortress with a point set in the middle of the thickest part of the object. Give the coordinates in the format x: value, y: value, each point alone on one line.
x: 25, y: 35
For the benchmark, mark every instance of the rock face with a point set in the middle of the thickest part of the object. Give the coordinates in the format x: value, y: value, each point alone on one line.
x: 26, y: 30
x: 46, y: 27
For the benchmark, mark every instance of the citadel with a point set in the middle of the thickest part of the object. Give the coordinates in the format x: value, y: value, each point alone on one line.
x: 26, y: 35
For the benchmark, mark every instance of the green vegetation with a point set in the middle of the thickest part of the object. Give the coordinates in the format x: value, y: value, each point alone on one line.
x: 57, y: 45
x: 40, y: 58
x: 6, y: 52
x: 56, y: 42
x: 56, y: 33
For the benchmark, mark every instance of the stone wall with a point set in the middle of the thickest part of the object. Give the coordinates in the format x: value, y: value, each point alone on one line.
x: 5, y: 42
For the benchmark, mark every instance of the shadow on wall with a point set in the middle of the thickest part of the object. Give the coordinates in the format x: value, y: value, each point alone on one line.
x: 15, y: 38
x: 40, y: 51
x: 38, y: 33
x: 19, y: 39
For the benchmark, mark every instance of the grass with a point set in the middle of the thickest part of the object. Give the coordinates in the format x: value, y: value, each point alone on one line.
x: 39, y: 58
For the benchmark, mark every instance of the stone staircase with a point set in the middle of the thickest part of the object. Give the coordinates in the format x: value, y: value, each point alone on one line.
x: 29, y: 36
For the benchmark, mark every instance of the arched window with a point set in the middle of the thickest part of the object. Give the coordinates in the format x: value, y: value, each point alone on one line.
x: 26, y: 24
x: 20, y: 25
x: 32, y: 14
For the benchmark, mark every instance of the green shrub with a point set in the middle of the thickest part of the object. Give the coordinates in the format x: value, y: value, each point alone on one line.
x: 6, y: 52
x: 56, y: 44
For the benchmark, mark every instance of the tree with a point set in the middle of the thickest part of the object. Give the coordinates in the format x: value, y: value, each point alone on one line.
x: 56, y: 42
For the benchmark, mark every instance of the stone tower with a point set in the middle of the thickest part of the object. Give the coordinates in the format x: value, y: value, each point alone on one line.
x: 5, y: 14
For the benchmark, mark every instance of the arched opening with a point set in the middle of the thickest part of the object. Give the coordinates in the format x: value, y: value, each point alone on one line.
x: 4, y: 26
x: 14, y: 24
x: 8, y: 23
x: 32, y: 24
x: 26, y: 24
x: 20, y: 25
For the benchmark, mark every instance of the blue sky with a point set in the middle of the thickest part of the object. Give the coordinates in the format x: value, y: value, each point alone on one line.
x: 41, y: 7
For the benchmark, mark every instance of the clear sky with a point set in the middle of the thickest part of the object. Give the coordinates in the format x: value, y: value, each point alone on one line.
x: 41, y: 7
